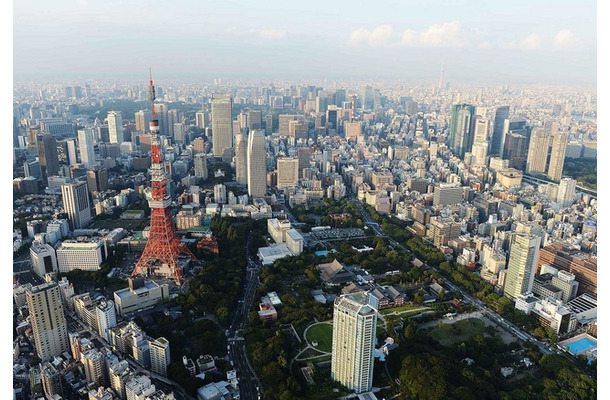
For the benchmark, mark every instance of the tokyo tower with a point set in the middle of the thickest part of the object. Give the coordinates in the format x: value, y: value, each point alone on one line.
x: 164, y: 245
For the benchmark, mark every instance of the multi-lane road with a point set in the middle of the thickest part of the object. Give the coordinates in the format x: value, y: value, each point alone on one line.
x: 249, y: 384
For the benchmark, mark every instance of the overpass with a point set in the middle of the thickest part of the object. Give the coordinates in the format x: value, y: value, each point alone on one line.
x: 538, y: 180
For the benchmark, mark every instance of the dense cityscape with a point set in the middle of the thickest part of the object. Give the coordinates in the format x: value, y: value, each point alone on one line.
x: 290, y: 240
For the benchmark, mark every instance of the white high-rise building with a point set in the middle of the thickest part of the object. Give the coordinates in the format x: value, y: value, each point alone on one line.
x: 566, y: 192
x: 85, y: 146
x: 71, y: 144
x: 105, y: 317
x: 220, y: 193
x: 523, y: 256
x: 222, y: 123
x: 354, y: 329
x: 200, y: 119
x: 115, y: 127
x: 241, y: 159
x: 43, y: 259
x: 159, y: 355
x: 287, y: 172
x: 142, y: 121
x: 87, y: 256
x: 93, y: 361
x: 538, y: 150
x: 76, y: 204
x: 558, y: 155
x: 49, y: 327
x: 257, y: 164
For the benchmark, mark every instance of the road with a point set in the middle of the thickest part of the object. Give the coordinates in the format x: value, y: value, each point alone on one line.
x: 249, y: 384
x: 518, y: 332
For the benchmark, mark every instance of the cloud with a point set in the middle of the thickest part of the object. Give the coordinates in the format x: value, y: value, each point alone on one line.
x: 449, y: 34
x: 531, y: 42
x: 564, y: 40
x: 271, y: 34
x: 380, y: 36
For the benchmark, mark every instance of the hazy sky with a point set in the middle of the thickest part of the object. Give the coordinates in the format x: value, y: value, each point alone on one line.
x: 490, y: 41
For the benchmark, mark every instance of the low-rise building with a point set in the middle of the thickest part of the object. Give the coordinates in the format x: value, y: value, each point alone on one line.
x: 140, y: 294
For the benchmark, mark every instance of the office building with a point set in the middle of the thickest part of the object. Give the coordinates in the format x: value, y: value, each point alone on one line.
x: 115, y: 127
x: 287, y: 172
x: 71, y: 151
x: 49, y: 327
x: 523, y: 256
x: 85, y: 146
x: 43, y: 259
x: 142, y: 121
x: 498, y: 130
x: 87, y: 256
x: 538, y: 151
x: 447, y: 194
x: 583, y: 266
x: 241, y: 158
x: 354, y: 329
x: 97, y: 179
x: 254, y: 119
x: 159, y: 355
x: 140, y: 294
x: 558, y: 155
x: 75, y: 197
x: 47, y: 156
x: 222, y: 124
x: 200, y: 118
x: 460, y: 131
x: 179, y: 133
x: 284, y: 123
x: 201, y: 165
x: 257, y: 164
x: 220, y: 193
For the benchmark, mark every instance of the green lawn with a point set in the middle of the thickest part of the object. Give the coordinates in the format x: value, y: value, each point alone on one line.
x: 323, y: 333
x: 457, y: 332
x: 400, y: 309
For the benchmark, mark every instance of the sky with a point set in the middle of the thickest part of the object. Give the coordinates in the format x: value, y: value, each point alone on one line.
x: 478, y: 41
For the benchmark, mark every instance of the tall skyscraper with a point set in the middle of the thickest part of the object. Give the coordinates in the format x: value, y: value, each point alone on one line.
x: 115, y: 127
x: 522, y: 261
x: 558, y: 155
x: 201, y: 165
x: 241, y: 159
x: 47, y: 155
x: 287, y: 172
x: 257, y: 164
x: 179, y: 133
x: 498, y: 129
x: 222, y: 123
x: 255, y: 119
x: 85, y: 146
x: 49, y: 327
x: 354, y: 329
x: 142, y: 121
x: 200, y: 119
x: 538, y: 151
x: 460, y: 130
x: 76, y: 204
x: 71, y: 151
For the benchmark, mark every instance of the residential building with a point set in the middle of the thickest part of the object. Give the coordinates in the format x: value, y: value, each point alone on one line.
x: 159, y: 355
x: 49, y: 327
x: 115, y: 127
x: 523, y: 256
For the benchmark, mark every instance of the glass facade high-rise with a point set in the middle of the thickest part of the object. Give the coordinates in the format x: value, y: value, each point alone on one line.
x: 257, y: 164
x: 461, y: 128
x: 496, y: 137
x: 222, y: 124
x: 523, y: 256
x: 558, y: 155
x: 538, y: 151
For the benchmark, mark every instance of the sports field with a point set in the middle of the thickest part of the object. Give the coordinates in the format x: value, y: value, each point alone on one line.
x: 323, y: 333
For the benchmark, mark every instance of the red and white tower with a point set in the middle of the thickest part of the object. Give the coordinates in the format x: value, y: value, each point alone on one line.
x: 164, y: 245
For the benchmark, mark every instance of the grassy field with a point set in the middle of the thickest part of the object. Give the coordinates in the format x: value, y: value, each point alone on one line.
x: 323, y: 333
x: 457, y: 332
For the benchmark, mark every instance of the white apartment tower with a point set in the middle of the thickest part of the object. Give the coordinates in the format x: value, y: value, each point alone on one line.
x: 76, y: 204
x: 105, y: 317
x: 354, y: 328
x: 201, y: 166
x: 538, y: 150
x: 523, y: 256
x: 257, y: 164
x: 159, y: 355
x: 49, y: 327
x: 241, y: 159
x: 115, y: 126
x: 222, y: 123
x: 142, y: 121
